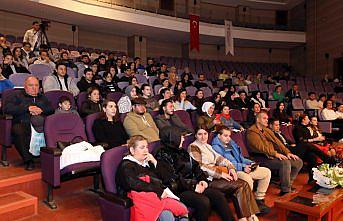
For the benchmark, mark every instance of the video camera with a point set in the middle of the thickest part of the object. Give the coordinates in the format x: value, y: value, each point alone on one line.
x: 44, y: 24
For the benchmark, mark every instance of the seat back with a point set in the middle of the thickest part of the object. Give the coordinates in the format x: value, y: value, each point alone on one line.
x: 185, y: 118
x: 18, y: 79
x: 81, y: 97
x: 63, y: 127
x: 207, y: 92
x: 110, y: 161
x: 297, y: 104
x: 141, y: 79
x: 236, y: 115
x: 54, y: 96
x: 153, y: 146
x: 89, y: 121
x: 157, y: 88
x: 290, y: 131
x: 123, y: 85
x: 191, y: 90
x: 238, y: 137
x: 40, y: 70
x: 114, y: 96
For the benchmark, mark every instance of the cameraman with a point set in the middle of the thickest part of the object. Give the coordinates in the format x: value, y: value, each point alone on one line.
x: 31, y: 35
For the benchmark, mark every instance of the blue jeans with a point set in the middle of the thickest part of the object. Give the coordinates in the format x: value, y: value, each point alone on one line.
x: 166, y: 215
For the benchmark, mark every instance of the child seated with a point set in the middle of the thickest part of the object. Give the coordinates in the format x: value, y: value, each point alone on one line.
x: 64, y: 106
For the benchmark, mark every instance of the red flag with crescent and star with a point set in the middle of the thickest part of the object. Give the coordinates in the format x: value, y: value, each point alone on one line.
x: 194, y: 32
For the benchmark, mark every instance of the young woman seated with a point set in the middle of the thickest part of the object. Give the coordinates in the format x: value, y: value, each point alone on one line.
x: 225, y: 119
x: 108, y: 128
x: 92, y: 104
x: 208, y: 118
x: 181, y: 102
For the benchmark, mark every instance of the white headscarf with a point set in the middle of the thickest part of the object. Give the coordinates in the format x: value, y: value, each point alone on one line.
x: 207, y: 106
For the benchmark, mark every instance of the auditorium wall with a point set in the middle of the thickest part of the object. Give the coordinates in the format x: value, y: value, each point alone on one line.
x: 323, y: 35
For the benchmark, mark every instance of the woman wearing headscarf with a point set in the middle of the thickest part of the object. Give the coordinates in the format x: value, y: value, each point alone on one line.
x: 124, y: 103
x: 190, y: 182
x: 208, y: 118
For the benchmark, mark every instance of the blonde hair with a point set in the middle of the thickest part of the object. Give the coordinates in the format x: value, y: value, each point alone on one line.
x: 132, y: 142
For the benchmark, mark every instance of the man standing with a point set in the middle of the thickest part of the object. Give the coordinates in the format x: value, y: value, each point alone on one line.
x: 31, y: 35
x: 139, y: 122
x: 272, y: 153
x: 24, y: 106
x: 168, y: 118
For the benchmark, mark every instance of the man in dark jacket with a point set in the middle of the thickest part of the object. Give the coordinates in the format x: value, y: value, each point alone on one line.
x: 168, y: 118
x: 86, y: 81
x: 25, y: 106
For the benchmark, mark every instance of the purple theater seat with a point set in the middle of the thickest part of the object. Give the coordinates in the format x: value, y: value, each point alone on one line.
x: 153, y: 146
x: 54, y: 96
x: 191, y: 90
x: 185, y: 118
x: 207, y: 92
x: 123, y: 85
x: 63, y: 128
x: 113, y: 206
x: 81, y: 97
x: 236, y: 115
x: 40, y: 70
x: 284, y: 130
x: 238, y: 137
x: 18, y: 79
x: 89, y: 125
x: 157, y: 88
x: 114, y: 96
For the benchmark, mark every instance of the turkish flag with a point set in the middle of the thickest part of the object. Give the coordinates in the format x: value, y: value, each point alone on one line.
x: 194, y: 32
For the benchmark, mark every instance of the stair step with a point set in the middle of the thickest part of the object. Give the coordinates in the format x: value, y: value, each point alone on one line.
x: 17, y: 205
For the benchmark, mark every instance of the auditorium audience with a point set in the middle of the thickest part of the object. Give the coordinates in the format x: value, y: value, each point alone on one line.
x: 86, y: 80
x: 159, y: 79
x: 271, y: 153
x: 223, y: 75
x: 27, y: 52
x: 201, y: 82
x: 281, y: 114
x: 108, y: 128
x: 8, y: 66
x: 224, y: 176
x: 328, y: 113
x: 31, y: 35
x: 140, y: 122
x: 164, y: 94
x: 242, y: 101
x: 187, y: 72
x: 278, y: 94
x: 256, y: 98
x: 208, y: 118
x: 151, y: 102
x: 64, y: 106
x: 167, y: 117
x: 44, y: 58
x: 274, y: 125
x: 198, y: 100
x: 108, y: 85
x: 19, y: 60
x: 305, y: 148
x: 226, y: 147
x: 138, y: 175
x: 172, y: 76
x: 92, y: 104
x: 293, y: 93
x: 26, y: 106
x: 226, y: 120
x: 321, y: 100
x: 178, y: 87
x: 59, y: 80
x: 191, y: 184
x: 218, y: 102
x: 165, y: 84
x: 186, y: 80
x: 4, y: 49
x: 4, y: 83
x: 127, y: 75
x: 253, y: 112
x: 182, y: 103
x: 312, y: 102
x: 124, y: 103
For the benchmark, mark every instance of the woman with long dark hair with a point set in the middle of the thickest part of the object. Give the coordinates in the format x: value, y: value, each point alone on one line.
x: 108, y: 128
x: 280, y: 113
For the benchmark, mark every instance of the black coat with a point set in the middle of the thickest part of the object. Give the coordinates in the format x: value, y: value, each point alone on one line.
x: 112, y: 133
x: 83, y: 84
x: 18, y: 103
x: 128, y: 174
x: 89, y: 107
x: 183, y: 172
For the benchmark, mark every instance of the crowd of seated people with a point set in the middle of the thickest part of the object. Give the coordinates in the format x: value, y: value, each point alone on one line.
x: 134, y: 116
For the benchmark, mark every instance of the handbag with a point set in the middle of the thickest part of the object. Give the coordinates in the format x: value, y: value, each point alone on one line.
x: 63, y: 144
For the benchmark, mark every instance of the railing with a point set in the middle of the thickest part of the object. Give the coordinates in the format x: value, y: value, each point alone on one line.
x: 182, y: 11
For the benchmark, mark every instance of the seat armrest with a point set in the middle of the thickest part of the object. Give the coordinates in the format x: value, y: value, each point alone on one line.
x: 6, y: 117
x: 104, y: 145
x: 53, y: 151
x: 115, y: 198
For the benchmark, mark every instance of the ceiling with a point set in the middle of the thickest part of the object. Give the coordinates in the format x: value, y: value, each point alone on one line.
x: 108, y: 26
x: 258, y: 4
